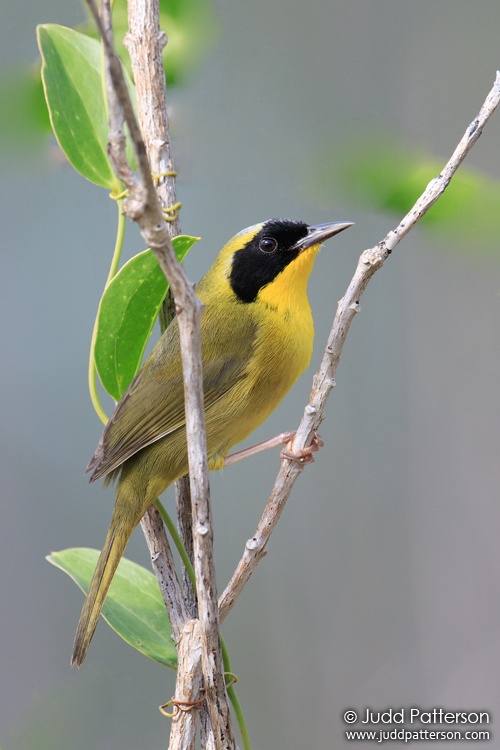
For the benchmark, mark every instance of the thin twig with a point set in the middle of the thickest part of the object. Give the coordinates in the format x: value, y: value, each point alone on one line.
x: 185, y: 521
x: 164, y: 568
x: 324, y: 380
x: 145, y: 42
x: 116, y: 133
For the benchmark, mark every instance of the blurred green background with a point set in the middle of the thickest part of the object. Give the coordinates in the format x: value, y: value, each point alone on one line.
x: 381, y: 586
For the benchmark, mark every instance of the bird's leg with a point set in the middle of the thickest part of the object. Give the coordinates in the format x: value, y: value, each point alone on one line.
x: 305, y: 455
x: 283, y: 438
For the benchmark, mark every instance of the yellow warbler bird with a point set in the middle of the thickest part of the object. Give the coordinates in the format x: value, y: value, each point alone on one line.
x: 257, y: 338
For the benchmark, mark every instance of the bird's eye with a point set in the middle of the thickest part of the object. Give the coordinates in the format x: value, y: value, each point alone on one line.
x: 268, y: 244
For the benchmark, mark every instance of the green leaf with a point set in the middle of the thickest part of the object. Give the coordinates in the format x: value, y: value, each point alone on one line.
x: 385, y: 175
x: 71, y: 74
x: 127, y: 313
x: 134, y: 607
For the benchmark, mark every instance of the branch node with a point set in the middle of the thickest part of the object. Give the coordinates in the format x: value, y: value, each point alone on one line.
x: 162, y: 39
x: 202, y: 529
x: 127, y: 40
x: 133, y: 207
x: 310, y: 409
x: 473, y: 127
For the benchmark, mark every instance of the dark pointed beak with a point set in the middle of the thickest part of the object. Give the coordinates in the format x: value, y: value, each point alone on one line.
x: 321, y: 232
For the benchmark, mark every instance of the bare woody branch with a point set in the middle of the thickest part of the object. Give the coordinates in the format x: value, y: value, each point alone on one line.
x: 145, y: 42
x: 143, y: 206
x: 188, y: 688
x: 164, y: 567
x: 116, y: 134
x: 324, y: 380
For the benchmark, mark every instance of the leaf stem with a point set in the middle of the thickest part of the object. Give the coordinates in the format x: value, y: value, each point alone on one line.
x: 94, y: 396
x: 238, y: 712
x: 231, y: 692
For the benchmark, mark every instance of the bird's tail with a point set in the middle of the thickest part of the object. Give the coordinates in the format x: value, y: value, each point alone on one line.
x: 119, y: 533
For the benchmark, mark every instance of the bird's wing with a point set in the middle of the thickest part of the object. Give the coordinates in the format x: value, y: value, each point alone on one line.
x: 153, y: 405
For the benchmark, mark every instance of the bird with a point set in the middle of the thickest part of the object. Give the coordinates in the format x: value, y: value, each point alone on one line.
x: 257, y: 338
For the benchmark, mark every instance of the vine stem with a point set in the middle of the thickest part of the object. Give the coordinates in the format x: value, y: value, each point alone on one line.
x: 92, y: 374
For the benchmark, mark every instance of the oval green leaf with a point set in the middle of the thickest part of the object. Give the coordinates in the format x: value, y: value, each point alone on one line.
x: 127, y: 313
x: 71, y: 74
x: 134, y: 607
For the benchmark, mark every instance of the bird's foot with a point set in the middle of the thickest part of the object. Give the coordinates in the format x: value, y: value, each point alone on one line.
x: 304, y: 455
